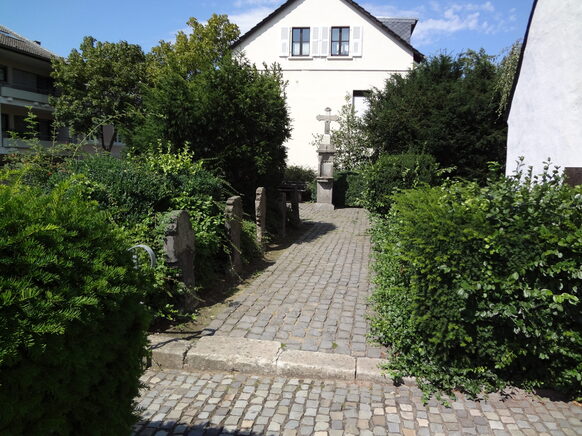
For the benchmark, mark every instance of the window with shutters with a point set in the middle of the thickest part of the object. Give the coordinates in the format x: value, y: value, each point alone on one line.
x: 300, y: 41
x: 340, y: 41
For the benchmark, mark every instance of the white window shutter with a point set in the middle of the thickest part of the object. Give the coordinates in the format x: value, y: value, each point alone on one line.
x: 284, y: 42
x: 324, y: 41
x: 315, y: 42
x: 356, y: 41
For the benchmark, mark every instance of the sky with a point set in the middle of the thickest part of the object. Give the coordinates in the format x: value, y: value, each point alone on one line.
x: 450, y: 26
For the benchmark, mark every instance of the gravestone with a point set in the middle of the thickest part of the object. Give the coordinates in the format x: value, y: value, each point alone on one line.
x: 234, y: 212
x: 261, y: 216
x: 573, y: 176
x: 325, y: 151
x: 282, y: 203
x: 179, y: 246
x: 295, y: 197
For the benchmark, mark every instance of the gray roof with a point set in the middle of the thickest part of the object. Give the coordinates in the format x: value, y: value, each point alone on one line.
x: 13, y: 41
x: 403, y: 27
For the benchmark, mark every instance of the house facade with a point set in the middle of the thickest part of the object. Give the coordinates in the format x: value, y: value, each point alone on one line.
x: 25, y: 82
x: 545, y: 116
x: 327, y: 50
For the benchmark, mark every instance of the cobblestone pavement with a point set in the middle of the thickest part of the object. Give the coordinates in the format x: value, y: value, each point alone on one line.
x: 189, y: 404
x: 314, y: 298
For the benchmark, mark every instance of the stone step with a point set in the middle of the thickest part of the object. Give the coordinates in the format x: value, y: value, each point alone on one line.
x: 252, y: 356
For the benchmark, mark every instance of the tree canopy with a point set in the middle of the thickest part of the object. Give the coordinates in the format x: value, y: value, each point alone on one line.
x: 100, y: 83
x: 446, y: 107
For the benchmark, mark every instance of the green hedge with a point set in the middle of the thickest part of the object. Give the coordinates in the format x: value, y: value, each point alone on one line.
x: 391, y: 172
x: 480, y: 287
x: 348, y: 188
x: 72, y: 329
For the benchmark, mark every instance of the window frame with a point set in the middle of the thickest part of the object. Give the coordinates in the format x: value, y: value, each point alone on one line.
x: 301, y: 41
x: 341, y: 41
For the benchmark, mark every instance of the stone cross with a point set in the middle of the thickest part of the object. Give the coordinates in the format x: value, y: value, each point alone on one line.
x: 328, y: 119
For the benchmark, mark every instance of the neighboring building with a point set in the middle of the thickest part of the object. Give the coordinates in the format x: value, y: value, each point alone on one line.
x: 25, y: 81
x: 328, y: 49
x: 545, y: 117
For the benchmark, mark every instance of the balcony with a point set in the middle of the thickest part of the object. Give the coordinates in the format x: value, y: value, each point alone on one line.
x: 21, y: 96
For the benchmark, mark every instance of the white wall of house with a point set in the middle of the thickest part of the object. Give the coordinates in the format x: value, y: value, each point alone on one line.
x: 320, y: 80
x: 546, y: 112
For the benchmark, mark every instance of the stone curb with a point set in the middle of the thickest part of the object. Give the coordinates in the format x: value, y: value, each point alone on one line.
x: 251, y: 356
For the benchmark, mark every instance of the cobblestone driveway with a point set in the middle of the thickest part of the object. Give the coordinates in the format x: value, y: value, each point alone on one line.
x: 314, y: 298
x: 211, y: 404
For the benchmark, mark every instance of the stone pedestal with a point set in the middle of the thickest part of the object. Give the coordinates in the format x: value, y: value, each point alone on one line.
x: 325, y: 151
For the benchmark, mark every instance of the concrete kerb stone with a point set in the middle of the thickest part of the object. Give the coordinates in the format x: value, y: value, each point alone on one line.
x: 221, y: 353
x: 296, y: 363
x: 252, y: 356
x: 168, y: 352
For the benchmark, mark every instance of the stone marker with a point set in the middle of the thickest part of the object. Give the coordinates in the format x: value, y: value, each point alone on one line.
x: 282, y: 203
x: 234, y: 212
x: 326, y: 151
x: 295, y: 197
x: 179, y: 246
x: 261, y: 215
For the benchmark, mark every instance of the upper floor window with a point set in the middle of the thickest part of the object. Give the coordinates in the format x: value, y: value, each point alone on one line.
x: 3, y: 73
x: 300, y: 41
x: 340, y: 41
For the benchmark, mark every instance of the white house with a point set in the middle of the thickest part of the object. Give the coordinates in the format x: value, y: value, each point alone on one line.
x: 328, y: 49
x: 545, y: 118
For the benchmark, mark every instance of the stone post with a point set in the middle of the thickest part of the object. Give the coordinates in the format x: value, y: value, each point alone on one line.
x: 282, y: 203
x: 179, y: 250
x: 325, y: 151
x: 295, y: 197
x: 261, y: 216
x: 234, y: 214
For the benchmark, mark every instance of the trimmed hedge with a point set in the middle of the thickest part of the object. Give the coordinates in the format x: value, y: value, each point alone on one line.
x: 391, y: 172
x: 72, y: 329
x: 479, y: 287
x: 348, y: 188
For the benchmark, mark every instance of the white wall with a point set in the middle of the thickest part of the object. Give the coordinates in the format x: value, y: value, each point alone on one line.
x: 319, y: 82
x: 546, y: 112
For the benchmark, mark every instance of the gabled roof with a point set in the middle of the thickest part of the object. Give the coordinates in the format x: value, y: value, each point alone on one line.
x: 11, y: 40
x: 418, y: 56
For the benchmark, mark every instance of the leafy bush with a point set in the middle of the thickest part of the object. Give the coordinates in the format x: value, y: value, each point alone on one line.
x: 445, y: 107
x: 348, y: 187
x: 391, y: 172
x: 480, y: 287
x: 250, y: 247
x: 296, y: 173
x: 72, y: 329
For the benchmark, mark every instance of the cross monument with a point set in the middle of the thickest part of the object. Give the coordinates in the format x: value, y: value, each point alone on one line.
x: 325, y: 151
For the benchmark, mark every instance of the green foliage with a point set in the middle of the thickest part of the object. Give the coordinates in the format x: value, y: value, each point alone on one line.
x: 480, y: 287
x: 72, y: 329
x: 446, y: 107
x: 392, y: 172
x: 219, y: 106
x: 295, y: 173
x: 351, y: 143
x: 99, y: 84
x: 348, y: 188
x: 250, y: 247
x: 506, y: 76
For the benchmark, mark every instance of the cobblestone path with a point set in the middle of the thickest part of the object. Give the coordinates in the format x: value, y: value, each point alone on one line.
x: 189, y: 404
x: 314, y: 298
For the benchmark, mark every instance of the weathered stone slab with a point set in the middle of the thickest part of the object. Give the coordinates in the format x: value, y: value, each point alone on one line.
x: 179, y: 245
x: 296, y: 363
x: 368, y: 369
x: 282, y: 204
x: 168, y: 352
x: 261, y: 215
x: 234, y: 212
x: 220, y: 353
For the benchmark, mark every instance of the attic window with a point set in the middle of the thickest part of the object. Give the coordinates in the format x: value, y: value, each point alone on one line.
x: 340, y: 41
x: 300, y: 41
x: 9, y: 35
